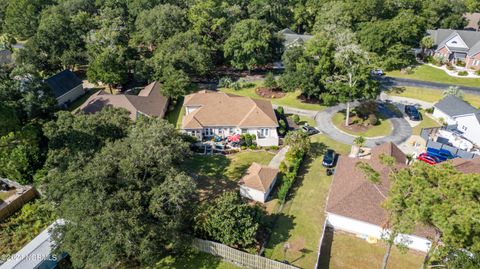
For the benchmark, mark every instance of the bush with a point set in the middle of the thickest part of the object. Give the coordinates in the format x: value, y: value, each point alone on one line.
x: 461, y: 63
x: 236, y: 86
x: 477, y: 72
x: 328, y: 99
x: 225, y: 82
x: 283, y: 167
x: 270, y: 81
x: 463, y: 73
x: 280, y: 111
x: 243, y: 147
x: 450, y: 67
x: 247, y: 85
x: 429, y: 110
x: 252, y: 146
x: 273, y: 147
x: 372, y: 119
x: 296, y: 118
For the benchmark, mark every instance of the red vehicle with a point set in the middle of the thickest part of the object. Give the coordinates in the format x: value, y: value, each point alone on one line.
x: 424, y: 157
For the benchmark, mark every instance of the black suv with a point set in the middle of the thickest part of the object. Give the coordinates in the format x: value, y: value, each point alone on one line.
x: 412, y: 113
x: 329, y: 158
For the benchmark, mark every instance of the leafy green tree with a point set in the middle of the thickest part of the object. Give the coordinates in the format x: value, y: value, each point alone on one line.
x: 21, y: 17
x: 270, y: 81
x: 229, y: 220
x: 76, y: 138
x: 20, y: 155
x: 109, y: 67
x: 175, y: 83
x: 351, y: 60
x: 129, y: 203
x: 278, y: 13
x: 455, y: 91
x: 298, y: 141
x: 8, y: 119
x: 248, y: 45
x: 158, y: 24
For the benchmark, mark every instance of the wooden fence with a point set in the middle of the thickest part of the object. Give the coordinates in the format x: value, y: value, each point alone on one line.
x: 239, y: 257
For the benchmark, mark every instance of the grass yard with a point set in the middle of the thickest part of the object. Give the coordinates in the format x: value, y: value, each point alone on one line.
x: 383, y: 127
x: 199, y: 261
x: 350, y: 252
x: 175, y: 116
x: 77, y: 103
x: 426, y: 122
x: 433, y: 96
x: 302, y: 218
x: 217, y: 173
x: 428, y: 73
x: 290, y: 99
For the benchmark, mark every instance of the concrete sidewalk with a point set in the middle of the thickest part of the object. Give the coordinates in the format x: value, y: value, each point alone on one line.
x: 278, y: 159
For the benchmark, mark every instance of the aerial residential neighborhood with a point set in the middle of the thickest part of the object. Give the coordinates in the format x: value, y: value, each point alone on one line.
x: 228, y: 134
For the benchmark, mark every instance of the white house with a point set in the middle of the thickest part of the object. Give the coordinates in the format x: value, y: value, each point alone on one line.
x: 258, y: 182
x: 209, y: 114
x: 66, y: 87
x: 466, y: 118
x: 37, y: 253
x: 354, y: 203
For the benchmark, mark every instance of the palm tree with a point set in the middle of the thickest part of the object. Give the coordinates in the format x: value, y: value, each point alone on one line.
x: 455, y: 91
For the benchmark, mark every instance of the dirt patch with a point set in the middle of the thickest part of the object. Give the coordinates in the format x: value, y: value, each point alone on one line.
x: 297, y: 244
x: 272, y: 93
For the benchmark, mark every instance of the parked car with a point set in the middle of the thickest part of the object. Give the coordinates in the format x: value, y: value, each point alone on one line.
x: 412, y: 113
x: 424, y: 157
x: 441, y: 154
x: 309, y: 130
x: 329, y: 158
x: 377, y: 72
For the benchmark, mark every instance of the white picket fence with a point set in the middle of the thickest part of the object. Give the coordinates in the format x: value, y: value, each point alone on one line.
x: 239, y: 257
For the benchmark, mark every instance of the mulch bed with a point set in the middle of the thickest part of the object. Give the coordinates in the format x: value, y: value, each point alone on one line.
x: 272, y: 93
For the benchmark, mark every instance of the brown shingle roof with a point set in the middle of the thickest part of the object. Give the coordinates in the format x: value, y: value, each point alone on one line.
x: 259, y: 177
x: 353, y: 196
x: 149, y: 101
x: 467, y: 166
x: 221, y: 109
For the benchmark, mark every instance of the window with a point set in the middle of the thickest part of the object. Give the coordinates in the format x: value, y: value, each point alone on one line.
x: 231, y: 130
x: 244, y: 131
x: 264, y: 132
x: 208, y: 132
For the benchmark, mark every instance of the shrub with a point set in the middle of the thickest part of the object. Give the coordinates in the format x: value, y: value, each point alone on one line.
x: 450, y: 67
x: 225, y: 82
x: 248, y: 140
x: 463, y: 73
x: 236, y: 86
x: 280, y: 111
x: 243, y: 147
x: 283, y: 167
x: 247, y: 85
x: 460, y: 63
x: 328, y: 99
x: 477, y: 72
x: 372, y: 119
x: 252, y: 146
x: 429, y: 110
x: 296, y: 118
x: 273, y: 147
x: 270, y: 81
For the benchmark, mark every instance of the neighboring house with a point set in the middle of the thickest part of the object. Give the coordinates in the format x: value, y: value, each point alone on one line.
x: 354, y: 203
x: 457, y: 45
x: 292, y: 39
x: 258, y: 182
x: 149, y: 102
x: 36, y: 253
x: 66, y: 87
x: 5, y: 57
x: 209, y: 114
x: 473, y: 21
x: 456, y: 112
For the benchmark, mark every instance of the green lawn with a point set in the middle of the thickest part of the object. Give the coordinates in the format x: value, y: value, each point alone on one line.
x: 301, y: 221
x: 175, y: 116
x: 82, y: 99
x: 217, y: 173
x: 426, y: 123
x: 199, y: 261
x: 290, y: 99
x: 433, y: 96
x: 428, y: 73
x: 383, y: 128
x: 350, y: 252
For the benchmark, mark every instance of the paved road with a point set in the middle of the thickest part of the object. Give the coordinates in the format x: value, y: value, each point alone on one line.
x: 401, y: 129
x: 389, y: 82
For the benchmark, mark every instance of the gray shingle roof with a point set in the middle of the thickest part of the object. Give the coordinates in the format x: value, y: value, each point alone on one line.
x: 293, y: 38
x: 5, y: 57
x: 63, y: 82
x: 471, y: 39
x: 454, y: 106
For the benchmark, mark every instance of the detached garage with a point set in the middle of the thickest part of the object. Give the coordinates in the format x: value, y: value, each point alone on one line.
x: 258, y: 182
x: 66, y: 87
